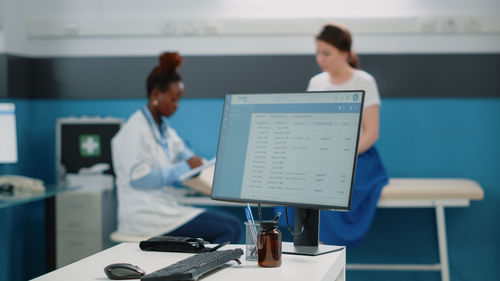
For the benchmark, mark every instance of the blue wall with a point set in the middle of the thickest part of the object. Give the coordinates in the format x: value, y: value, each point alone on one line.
x: 419, y: 138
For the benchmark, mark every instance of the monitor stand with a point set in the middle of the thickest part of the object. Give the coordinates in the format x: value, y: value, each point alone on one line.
x: 306, y: 243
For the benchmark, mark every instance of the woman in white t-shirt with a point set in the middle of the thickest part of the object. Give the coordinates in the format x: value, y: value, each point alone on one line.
x: 339, y: 66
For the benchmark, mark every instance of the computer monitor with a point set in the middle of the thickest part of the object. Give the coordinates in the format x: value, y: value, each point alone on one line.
x: 291, y: 149
x: 84, y: 142
x: 8, y: 138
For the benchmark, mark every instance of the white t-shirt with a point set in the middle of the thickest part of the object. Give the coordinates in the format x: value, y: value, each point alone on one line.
x: 361, y: 80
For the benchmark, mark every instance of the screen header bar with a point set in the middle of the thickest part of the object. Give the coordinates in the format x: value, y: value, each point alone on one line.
x: 308, y: 97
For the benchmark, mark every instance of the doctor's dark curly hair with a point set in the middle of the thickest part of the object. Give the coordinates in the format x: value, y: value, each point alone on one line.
x: 165, y: 73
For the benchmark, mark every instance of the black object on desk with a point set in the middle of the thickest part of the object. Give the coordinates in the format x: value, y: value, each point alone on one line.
x: 177, y: 244
x: 120, y: 271
x: 195, y: 266
x: 6, y: 189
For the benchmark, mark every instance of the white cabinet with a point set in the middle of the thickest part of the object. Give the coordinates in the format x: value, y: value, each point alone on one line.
x: 84, y: 221
x: 86, y: 217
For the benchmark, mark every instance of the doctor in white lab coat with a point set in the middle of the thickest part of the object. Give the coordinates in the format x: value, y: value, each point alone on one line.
x: 149, y: 157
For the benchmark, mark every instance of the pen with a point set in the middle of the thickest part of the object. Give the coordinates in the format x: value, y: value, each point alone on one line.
x: 250, y: 213
x: 277, y: 217
x: 253, y: 230
x: 260, y: 214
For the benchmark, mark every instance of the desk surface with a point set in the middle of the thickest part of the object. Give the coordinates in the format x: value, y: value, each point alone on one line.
x: 324, y: 267
x: 51, y: 190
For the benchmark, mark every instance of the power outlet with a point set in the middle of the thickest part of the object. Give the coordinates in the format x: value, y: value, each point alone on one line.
x: 450, y: 25
x: 169, y: 28
x: 472, y: 24
x: 208, y: 28
x: 189, y: 27
x: 428, y: 25
x: 71, y: 28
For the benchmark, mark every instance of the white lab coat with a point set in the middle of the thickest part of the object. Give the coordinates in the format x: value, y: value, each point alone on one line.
x: 146, y: 211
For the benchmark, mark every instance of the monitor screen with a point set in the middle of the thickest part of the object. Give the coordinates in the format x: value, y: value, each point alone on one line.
x: 85, y: 142
x: 294, y: 149
x: 8, y: 138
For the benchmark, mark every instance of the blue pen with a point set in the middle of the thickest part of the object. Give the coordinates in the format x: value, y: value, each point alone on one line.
x: 250, y: 211
x: 253, y: 230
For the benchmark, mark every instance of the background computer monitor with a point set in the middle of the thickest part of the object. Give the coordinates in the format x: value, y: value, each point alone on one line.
x: 84, y: 142
x: 291, y: 149
x: 8, y: 138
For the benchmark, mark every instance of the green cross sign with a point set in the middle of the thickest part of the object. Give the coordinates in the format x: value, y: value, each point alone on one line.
x: 90, y: 145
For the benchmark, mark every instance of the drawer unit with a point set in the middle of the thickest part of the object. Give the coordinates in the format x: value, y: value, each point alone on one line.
x: 84, y: 221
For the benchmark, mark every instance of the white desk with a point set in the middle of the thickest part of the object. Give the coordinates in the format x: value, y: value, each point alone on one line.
x: 437, y: 193
x: 324, y: 267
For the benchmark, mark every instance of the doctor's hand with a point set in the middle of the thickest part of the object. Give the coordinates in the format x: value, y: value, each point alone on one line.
x: 194, y: 162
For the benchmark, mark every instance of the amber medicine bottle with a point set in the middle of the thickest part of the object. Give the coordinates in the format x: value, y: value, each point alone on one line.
x: 269, y: 244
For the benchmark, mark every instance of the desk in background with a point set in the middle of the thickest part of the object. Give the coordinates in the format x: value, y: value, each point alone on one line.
x: 324, y: 267
x: 51, y: 191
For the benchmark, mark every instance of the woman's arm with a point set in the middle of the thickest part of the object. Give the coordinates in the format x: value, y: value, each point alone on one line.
x: 145, y: 176
x: 370, y: 125
x: 188, y: 155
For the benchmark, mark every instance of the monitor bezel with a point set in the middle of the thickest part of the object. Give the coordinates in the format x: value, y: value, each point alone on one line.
x: 9, y: 108
x: 295, y: 204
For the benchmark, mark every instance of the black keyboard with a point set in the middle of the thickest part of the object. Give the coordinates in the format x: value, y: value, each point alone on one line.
x: 195, y: 266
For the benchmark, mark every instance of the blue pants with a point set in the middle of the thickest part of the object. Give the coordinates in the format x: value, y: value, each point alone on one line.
x: 214, y: 227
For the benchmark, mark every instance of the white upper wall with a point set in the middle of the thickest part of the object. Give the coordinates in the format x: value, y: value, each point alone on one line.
x: 207, y: 27
x: 2, y: 41
x: 2, y: 11
x: 256, y: 8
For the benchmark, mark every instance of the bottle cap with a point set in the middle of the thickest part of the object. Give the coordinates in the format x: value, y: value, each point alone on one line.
x: 269, y: 224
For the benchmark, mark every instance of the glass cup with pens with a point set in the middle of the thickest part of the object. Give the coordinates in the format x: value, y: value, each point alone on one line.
x: 251, y: 241
x: 251, y: 231
x: 263, y: 240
